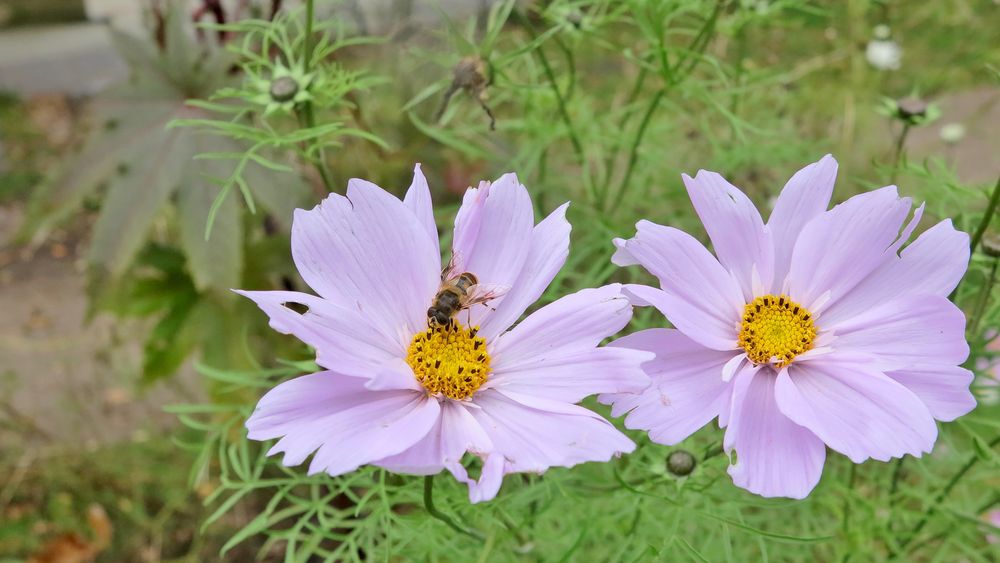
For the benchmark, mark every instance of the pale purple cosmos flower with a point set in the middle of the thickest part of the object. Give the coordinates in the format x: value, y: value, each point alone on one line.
x: 412, y: 397
x: 809, y: 330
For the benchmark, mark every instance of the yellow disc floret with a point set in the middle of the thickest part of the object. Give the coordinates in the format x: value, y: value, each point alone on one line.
x: 775, y: 327
x: 449, y: 360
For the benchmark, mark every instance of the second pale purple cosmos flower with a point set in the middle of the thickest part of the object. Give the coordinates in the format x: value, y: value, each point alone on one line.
x: 807, y: 331
x: 414, y: 398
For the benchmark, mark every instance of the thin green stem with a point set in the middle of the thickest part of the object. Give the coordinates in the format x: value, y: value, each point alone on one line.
x: 685, y: 65
x: 307, y: 115
x: 560, y: 100
x: 570, y: 66
x: 712, y: 451
x: 851, y: 476
x: 307, y: 47
x: 897, y: 153
x: 741, y: 55
x: 984, y: 300
x: 633, y: 155
x: 429, y: 506
x: 551, y: 78
x: 955, y: 479
x: 514, y: 529
x: 981, y: 509
x: 561, y: 103
x: 698, y: 46
x: 897, y: 474
x: 626, y: 117
x: 987, y: 217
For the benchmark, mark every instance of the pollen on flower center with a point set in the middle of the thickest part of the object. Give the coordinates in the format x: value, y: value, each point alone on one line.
x: 449, y: 360
x: 776, y: 327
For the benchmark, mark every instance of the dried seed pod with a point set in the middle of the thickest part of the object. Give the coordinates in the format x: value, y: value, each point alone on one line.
x: 470, y: 74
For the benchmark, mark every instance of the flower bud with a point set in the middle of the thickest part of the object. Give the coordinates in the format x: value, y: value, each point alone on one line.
x: 283, y: 89
x: 575, y: 18
x: 911, y: 108
x: 680, y: 463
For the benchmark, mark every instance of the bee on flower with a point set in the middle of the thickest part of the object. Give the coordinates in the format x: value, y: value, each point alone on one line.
x: 421, y: 368
x: 815, y: 329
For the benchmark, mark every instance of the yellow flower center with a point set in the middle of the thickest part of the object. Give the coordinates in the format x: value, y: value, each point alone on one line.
x: 449, y: 360
x: 776, y: 327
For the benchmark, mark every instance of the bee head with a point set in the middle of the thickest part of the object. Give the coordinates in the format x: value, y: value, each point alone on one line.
x: 437, y: 316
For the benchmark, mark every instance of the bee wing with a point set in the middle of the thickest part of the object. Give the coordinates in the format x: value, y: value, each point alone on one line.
x: 483, y: 292
x: 451, y: 270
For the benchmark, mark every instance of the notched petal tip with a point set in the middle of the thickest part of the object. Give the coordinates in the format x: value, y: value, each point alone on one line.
x: 490, y: 478
x: 633, y: 292
x: 560, y: 211
x: 622, y: 256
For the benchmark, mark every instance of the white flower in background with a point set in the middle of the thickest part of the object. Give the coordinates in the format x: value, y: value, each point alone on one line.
x: 882, y: 52
x: 952, y: 133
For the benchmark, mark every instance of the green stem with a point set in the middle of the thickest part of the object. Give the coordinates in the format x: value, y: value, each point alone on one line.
x: 987, y: 217
x: 698, y: 46
x: 741, y: 55
x: 847, y: 503
x: 633, y: 155
x: 561, y: 103
x: 307, y: 115
x: 955, y: 479
x: 626, y: 117
x: 897, y: 473
x: 898, y: 152
x: 981, y: 509
x: 509, y: 523
x: 308, y: 44
x: 672, y: 76
x: 712, y: 451
x: 429, y: 505
x: 560, y: 100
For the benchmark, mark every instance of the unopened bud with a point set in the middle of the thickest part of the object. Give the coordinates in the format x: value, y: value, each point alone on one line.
x: 575, y: 17
x: 911, y: 108
x: 284, y: 89
x: 680, y: 463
